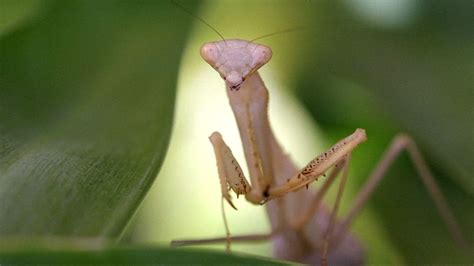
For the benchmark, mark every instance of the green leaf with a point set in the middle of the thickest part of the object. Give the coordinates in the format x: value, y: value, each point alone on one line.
x: 86, y: 107
x: 129, y: 255
x: 15, y: 14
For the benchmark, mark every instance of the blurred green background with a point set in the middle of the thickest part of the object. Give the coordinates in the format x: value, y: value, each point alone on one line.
x: 87, y: 101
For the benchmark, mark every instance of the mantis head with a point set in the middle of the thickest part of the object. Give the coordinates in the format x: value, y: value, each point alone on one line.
x: 235, y: 60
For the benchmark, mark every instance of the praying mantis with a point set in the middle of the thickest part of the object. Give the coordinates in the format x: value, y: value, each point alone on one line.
x: 299, y: 221
x: 302, y: 228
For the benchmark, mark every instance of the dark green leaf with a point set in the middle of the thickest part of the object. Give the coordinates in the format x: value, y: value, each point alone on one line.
x: 86, y: 106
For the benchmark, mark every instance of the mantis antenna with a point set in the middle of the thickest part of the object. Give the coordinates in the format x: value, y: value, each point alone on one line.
x: 198, y: 18
x: 293, y: 29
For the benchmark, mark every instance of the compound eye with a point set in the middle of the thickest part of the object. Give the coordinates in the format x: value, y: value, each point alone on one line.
x: 209, y: 53
x: 261, y: 55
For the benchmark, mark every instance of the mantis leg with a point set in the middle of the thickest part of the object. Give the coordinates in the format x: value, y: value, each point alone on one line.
x: 400, y: 143
x: 310, y: 212
x: 332, y: 219
x: 317, y: 199
x: 230, y: 173
x: 241, y: 238
x: 317, y: 167
x: 231, y: 177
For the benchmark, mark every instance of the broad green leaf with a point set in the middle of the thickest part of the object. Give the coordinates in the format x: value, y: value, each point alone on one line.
x: 14, y: 14
x: 86, y: 107
x: 129, y: 255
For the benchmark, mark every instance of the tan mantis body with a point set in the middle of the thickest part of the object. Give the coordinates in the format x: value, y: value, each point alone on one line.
x: 303, y: 230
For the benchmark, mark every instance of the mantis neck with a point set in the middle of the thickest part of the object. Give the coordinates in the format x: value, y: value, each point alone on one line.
x: 268, y: 164
x: 250, y: 107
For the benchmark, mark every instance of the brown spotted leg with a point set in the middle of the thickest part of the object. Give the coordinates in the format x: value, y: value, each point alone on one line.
x: 317, y: 199
x: 229, y: 170
x: 322, y: 163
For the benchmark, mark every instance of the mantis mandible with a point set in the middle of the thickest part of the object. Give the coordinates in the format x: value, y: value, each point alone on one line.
x: 303, y: 229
